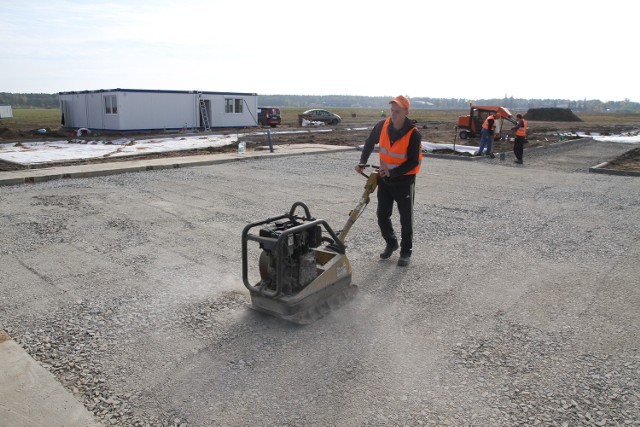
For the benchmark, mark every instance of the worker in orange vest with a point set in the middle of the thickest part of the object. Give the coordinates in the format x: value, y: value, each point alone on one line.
x: 520, y: 132
x: 400, y: 152
x: 486, y: 139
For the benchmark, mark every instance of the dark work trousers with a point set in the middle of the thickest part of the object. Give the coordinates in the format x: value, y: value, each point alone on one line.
x: 403, y: 195
x: 518, y: 147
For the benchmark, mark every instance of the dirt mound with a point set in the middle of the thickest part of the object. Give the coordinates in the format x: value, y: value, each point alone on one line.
x: 552, y: 115
x: 40, y: 133
x: 6, y: 133
x: 629, y: 161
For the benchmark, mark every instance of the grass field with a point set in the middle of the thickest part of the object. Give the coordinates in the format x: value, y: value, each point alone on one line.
x: 290, y: 115
x: 32, y: 118
x: 359, y: 115
x: 27, y: 119
x: 36, y: 118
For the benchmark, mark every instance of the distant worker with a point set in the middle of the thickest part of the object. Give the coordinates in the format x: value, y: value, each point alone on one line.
x: 520, y: 132
x: 400, y: 158
x: 486, y: 139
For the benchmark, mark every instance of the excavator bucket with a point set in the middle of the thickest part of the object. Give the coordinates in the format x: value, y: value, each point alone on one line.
x: 503, y: 113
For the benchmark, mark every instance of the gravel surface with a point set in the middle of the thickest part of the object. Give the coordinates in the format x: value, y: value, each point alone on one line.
x: 520, y: 306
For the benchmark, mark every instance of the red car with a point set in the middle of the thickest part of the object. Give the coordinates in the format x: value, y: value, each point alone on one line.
x: 269, y: 116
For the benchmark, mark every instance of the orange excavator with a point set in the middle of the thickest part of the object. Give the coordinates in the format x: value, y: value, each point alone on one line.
x: 471, y: 124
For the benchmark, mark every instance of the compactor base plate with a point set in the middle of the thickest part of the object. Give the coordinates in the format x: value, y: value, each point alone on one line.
x: 309, y: 309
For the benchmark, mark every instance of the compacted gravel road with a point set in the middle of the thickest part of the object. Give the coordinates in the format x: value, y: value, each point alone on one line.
x: 519, y: 308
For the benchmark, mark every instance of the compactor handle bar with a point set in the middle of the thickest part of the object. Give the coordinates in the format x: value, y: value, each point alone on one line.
x: 303, y: 206
x: 376, y: 167
x: 369, y: 187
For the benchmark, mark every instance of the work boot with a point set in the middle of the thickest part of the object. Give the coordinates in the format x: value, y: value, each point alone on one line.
x: 493, y: 156
x: 389, y: 250
x: 403, y: 261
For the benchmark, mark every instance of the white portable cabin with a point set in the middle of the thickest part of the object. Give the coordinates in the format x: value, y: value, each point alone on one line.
x: 140, y: 110
x: 5, y: 111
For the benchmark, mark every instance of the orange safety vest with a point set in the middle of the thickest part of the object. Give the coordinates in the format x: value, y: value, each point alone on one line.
x: 394, y: 155
x: 522, y: 131
x: 485, y: 125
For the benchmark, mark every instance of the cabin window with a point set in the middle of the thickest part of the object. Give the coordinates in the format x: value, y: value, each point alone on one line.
x: 110, y: 104
x: 232, y: 105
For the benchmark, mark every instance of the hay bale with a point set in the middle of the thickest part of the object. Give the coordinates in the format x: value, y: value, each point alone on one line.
x: 552, y: 115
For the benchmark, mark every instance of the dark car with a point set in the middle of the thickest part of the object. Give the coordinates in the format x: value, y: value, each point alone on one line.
x: 269, y: 116
x: 324, y: 116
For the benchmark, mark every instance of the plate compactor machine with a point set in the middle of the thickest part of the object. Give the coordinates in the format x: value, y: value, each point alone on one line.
x: 304, y: 270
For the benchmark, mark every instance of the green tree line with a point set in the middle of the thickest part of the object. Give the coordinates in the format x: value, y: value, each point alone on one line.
x: 29, y: 100
x: 50, y: 100
x: 519, y: 104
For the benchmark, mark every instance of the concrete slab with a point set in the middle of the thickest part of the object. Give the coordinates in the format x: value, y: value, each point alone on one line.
x: 604, y: 169
x: 29, y: 176
x: 31, y: 396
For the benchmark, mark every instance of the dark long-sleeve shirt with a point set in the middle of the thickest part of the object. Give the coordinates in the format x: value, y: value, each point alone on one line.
x: 413, y: 150
x: 491, y: 127
x: 519, y: 125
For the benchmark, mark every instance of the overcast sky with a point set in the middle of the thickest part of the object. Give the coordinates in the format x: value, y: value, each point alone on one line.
x: 443, y: 49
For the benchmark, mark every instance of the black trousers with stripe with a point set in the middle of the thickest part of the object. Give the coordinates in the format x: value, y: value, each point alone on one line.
x: 518, y: 147
x: 402, y: 194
